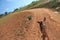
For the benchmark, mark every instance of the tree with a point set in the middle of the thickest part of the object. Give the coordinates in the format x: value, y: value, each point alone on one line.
x: 16, y: 9
x: 6, y: 13
x: 1, y: 15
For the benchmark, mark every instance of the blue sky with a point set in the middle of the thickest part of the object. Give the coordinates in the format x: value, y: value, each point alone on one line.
x: 10, y: 5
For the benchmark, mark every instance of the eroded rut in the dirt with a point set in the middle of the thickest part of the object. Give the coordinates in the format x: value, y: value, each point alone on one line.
x: 44, y: 35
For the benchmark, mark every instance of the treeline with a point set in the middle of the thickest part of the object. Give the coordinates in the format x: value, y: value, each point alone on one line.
x: 2, y: 15
x: 29, y: 6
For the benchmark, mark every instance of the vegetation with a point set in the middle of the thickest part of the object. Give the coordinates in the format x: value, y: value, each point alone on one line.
x: 29, y: 6
x: 16, y: 9
x: 6, y: 13
x: 53, y: 4
x: 2, y: 15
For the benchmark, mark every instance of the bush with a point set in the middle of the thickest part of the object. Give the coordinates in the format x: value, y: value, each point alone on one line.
x: 16, y: 9
x: 6, y: 13
x: 1, y: 15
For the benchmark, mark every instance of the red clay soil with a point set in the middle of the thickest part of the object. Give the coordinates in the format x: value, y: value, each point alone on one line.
x: 18, y: 27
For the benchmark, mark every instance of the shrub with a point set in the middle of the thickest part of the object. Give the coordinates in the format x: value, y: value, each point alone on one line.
x: 16, y: 9
x: 1, y: 15
x: 6, y: 13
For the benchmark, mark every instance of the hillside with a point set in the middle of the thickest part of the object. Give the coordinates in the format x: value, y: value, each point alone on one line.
x: 22, y: 23
x: 38, y: 4
x: 18, y: 26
